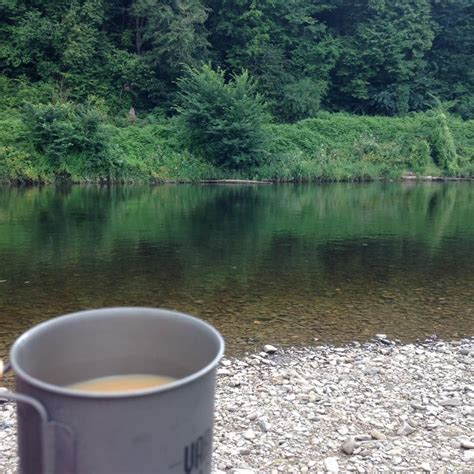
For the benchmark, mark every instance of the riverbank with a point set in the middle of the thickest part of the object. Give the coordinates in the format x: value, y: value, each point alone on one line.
x: 328, y: 148
x: 378, y: 406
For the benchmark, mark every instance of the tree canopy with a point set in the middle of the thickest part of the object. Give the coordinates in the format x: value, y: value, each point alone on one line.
x: 361, y: 56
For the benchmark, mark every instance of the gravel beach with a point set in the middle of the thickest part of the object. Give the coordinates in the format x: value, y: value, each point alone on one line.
x: 378, y: 406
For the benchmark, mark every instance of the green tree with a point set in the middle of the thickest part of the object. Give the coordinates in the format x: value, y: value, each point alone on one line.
x: 222, y: 121
x: 170, y: 35
x: 384, y: 46
x: 283, y: 44
x: 451, y: 59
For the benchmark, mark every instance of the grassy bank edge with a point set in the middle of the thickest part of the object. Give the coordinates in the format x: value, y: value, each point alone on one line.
x: 328, y: 148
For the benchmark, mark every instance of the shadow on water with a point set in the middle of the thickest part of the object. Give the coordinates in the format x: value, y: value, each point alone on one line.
x: 283, y: 264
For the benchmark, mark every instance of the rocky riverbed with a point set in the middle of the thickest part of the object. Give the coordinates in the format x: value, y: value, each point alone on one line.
x: 379, y: 406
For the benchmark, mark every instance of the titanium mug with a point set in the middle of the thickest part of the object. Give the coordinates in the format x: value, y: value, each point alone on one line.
x: 167, y: 429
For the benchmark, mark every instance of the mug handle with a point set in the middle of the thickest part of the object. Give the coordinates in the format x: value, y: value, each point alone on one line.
x: 52, y: 432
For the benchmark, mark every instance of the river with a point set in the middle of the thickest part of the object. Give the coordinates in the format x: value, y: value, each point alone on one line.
x: 281, y: 264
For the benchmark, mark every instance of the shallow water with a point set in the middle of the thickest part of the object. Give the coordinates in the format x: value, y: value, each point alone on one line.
x: 280, y: 264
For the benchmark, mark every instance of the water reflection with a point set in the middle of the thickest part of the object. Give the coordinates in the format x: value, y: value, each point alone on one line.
x: 282, y: 264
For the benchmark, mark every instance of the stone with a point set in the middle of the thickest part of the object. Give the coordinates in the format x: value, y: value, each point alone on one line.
x: 363, y: 437
x: 450, y: 402
x: 331, y: 464
x: 468, y: 456
x: 343, y: 430
x: 425, y: 467
x: 249, y: 434
x: 244, y: 451
x: 264, y: 425
x: 372, y: 371
x: 466, y: 443
x: 405, y: 429
x: 349, y: 445
x: 376, y: 434
x: 269, y: 349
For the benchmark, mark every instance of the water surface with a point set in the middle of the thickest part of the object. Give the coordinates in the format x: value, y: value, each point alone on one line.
x: 280, y: 264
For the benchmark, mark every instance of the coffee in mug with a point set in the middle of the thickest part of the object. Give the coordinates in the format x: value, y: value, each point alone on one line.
x: 121, y: 383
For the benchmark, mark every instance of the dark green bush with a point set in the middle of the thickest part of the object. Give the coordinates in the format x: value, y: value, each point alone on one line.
x: 420, y: 155
x: 64, y: 130
x: 222, y: 121
x: 442, y: 145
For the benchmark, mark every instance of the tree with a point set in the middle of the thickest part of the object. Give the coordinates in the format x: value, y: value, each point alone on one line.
x: 283, y: 44
x: 384, y: 46
x: 451, y: 59
x: 222, y: 121
x: 170, y: 35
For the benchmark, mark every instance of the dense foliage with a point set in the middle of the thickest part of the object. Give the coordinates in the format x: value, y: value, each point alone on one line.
x: 363, y: 56
x: 222, y: 121
x: 87, y: 85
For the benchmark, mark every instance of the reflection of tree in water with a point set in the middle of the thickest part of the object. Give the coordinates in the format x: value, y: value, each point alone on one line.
x: 299, y: 258
x: 176, y: 239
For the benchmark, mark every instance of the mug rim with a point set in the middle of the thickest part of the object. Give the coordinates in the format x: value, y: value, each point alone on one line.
x: 118, y: 311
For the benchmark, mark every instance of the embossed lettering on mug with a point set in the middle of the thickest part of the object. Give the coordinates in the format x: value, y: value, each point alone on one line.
x: 197, y: 454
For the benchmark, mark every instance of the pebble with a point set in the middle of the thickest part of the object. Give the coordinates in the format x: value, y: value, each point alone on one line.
x: 264, y: 425
x: 343, y: 430
x: 468, y: 456
x: 450, y: 402
x: 249, y: 434
x: 331, y: 464
x: 466, y: 443
x: 376, y: 434
x: 405, y: 429
x: 269, y: 349
x: 349, y: 445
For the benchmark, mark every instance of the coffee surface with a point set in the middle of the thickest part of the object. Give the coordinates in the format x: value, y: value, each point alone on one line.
x: 121, y: 383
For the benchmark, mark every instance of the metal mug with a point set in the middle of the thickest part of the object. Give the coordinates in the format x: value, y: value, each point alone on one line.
x: 167, y: 429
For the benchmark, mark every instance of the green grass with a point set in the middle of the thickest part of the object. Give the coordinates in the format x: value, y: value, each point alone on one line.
x: 330, y: 147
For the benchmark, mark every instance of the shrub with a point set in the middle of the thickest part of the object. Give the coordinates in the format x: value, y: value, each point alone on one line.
x: 17, y: 166
x: 64, y: 130
x: 420, y: 155
x: 222, y: 121
x: 442, y: 145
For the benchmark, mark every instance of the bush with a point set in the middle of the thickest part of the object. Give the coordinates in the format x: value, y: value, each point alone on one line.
x: 222, y: 121
x: 442, y: 145
x: 420, y: 155
x: 65, y: 130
